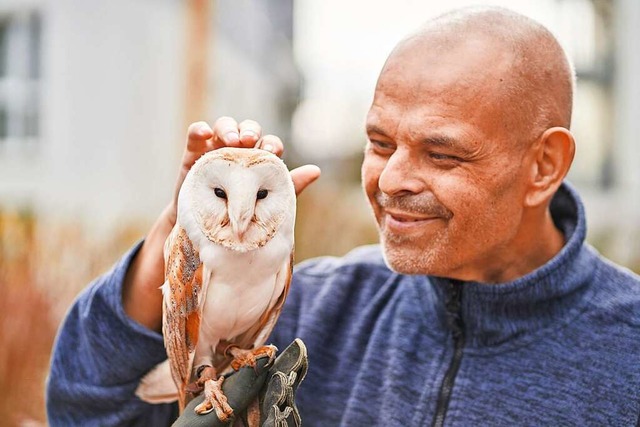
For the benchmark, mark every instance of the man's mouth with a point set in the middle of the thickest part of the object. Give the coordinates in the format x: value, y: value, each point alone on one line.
x: 400, y: 221
x: 405, y: 219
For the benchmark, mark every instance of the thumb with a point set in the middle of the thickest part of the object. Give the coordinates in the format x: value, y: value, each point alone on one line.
x: 303, y: 176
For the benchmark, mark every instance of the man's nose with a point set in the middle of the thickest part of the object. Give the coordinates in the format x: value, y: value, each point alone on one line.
x: 401, y: 174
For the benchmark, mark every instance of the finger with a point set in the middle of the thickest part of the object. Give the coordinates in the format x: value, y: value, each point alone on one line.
x: 225, y: 132
x: 271, y: 143
x: 250, y: 132
x: 197, y: 136
x: 303, y: 176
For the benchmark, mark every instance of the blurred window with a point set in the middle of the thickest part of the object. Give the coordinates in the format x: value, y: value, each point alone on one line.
x: 20, y: 34
x: 585, y: 28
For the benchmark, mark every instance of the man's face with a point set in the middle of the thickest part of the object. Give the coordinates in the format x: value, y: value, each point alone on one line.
x: 443, y: 168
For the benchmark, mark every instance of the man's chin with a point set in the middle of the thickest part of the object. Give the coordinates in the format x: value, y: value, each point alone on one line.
x: 404, y: 259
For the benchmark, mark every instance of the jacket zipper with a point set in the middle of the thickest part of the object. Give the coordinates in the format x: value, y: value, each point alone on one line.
x: 454, y: 316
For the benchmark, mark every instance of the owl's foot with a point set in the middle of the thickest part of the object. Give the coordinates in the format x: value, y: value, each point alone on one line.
x: 214, y: 398
x: 242, y: 358
x: 203, y: 373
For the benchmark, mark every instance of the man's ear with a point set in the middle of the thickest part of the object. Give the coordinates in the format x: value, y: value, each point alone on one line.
x: 553, y: 154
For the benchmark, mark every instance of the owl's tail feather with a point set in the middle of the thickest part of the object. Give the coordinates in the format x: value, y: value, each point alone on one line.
x: 158, y: 386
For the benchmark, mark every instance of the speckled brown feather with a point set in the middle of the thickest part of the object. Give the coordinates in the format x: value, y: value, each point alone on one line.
x: 182, y: 315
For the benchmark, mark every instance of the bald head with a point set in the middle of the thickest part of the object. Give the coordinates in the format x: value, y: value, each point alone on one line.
x: 467, y: 144
x: 527, y: 71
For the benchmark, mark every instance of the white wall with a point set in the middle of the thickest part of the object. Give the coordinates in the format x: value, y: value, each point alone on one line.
x: 113, y: 106
x: 111, y: 109
x: 113, y: 102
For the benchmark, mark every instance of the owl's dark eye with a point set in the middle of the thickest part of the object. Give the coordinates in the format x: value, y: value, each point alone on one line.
x: 262, y: 194
x: 220, y: 193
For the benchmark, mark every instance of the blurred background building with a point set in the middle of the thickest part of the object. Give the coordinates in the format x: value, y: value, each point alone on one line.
x: 95, y: 98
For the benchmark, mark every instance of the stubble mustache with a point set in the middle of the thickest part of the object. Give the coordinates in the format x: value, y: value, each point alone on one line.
x: 424, y: 204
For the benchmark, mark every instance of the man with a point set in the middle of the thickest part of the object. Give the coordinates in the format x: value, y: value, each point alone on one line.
x: 483, y: 305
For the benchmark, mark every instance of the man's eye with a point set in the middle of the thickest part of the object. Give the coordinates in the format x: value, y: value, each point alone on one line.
x: 380, y: 146
x: 440, y: 156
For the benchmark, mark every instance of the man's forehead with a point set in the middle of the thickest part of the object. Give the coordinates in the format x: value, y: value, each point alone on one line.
x: 433, y: 103
x: 437, y: 130
x: 464, y: 76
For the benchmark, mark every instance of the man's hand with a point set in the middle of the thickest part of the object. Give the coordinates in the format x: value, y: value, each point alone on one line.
x: 141, y: 298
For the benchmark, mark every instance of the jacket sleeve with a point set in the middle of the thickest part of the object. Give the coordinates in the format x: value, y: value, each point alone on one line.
x: 99, y: 356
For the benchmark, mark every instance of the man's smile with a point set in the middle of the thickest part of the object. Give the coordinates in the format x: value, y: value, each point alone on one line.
x: 402, y: 222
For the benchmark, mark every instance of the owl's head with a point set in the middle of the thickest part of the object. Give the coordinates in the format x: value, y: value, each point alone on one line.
x: 239, y: 197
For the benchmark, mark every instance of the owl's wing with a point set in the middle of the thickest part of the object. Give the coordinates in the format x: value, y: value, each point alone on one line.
x: 258, y: 334
x: 181, y: 299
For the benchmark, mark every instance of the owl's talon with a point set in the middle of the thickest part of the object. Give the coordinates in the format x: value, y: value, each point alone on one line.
x: 201, y: 369
x: 215, y: 400
x: 242, y: 358
x: 204, y: 408
x: 203, y: 373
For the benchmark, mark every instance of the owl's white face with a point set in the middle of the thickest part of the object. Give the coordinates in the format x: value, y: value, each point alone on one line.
x: 240, y: 197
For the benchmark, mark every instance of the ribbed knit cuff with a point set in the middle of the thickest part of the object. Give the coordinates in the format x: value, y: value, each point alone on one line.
x: 128, y: 348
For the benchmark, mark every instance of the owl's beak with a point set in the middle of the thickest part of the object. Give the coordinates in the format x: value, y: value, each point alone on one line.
x: 240, y: 220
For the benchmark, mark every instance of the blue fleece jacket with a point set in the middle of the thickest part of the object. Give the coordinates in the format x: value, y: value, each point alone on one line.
x: 559, y: 346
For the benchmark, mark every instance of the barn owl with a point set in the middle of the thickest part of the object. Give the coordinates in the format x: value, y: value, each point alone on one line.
x: 228, y: 267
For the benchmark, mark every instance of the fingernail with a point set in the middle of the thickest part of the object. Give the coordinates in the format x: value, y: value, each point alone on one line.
x: 249, y: 134
x: 231, y: 137
x: 268, y: 147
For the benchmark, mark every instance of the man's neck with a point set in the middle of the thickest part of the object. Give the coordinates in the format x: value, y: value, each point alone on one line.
x: 536, y: 243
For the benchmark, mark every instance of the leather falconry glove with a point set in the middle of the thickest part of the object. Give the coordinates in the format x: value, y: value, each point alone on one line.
x: 262, y: 396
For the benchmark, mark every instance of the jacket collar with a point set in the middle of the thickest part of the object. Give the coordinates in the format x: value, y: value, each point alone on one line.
x: 493, y: 314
